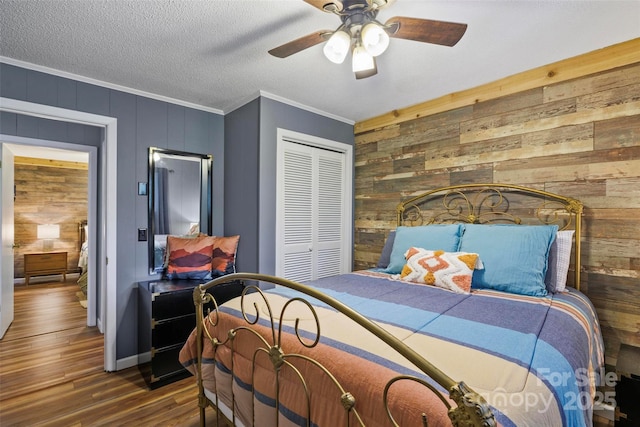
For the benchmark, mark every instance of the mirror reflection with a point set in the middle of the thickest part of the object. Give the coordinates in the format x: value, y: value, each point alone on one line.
x: 179, y: 199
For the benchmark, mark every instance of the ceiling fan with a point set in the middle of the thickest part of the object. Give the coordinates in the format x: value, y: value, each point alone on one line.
x: 367, y: 38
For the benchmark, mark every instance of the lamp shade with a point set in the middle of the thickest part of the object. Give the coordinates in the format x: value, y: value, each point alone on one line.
x: 48, y: 231
x: 361, y: 60
x: 337, y: 47
x: 374, y: 39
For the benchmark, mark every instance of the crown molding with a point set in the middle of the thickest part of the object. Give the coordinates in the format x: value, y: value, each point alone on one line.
x: 264, y: 94
x: 305, y: 107
x: 77, y: 77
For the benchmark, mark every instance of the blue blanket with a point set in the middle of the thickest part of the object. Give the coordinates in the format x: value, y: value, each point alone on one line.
x: 535, y: 359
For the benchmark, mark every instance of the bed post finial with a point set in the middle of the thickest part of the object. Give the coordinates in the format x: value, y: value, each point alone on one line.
x: 472, y: 409
x: 574, y: 206
x: 399, y: 212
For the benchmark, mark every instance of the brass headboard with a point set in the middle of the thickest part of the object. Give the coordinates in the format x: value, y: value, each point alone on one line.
x: 495, y: 203
x: 82, y: 235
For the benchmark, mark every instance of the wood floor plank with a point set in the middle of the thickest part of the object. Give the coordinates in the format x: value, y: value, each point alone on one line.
x: 51, y: 371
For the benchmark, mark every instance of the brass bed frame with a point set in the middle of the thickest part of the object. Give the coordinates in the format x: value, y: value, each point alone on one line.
x: 470, y: 203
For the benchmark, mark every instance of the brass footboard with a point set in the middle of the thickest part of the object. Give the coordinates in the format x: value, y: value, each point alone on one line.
x: 470, y: 409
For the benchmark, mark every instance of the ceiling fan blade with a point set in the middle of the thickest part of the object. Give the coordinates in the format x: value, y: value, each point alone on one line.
x: 326, y: 5
x: 425, y: 30
x: 367, y: 73
x: 300, y: 44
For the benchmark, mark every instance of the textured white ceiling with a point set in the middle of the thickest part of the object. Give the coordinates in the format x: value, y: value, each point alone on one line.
x: 214, y: 52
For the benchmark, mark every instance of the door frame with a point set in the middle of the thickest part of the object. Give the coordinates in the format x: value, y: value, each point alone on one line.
x: 7, y: 238
x: 107, y: 229
x: 326, y: 144
x: 92, y: 208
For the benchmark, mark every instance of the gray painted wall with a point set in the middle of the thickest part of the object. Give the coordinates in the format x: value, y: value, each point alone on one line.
x: 242, y: 143
x: 250, y: 149
x: 142, y: 122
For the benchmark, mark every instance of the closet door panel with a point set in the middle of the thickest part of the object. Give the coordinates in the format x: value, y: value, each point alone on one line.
x: 311, y: 213
x: 330, y: 214
x: 298, y: 219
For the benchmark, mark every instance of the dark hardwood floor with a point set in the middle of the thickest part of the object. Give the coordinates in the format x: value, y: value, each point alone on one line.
x: 51, y: 371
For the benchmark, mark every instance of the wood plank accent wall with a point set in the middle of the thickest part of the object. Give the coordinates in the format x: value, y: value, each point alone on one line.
x: 46, y: 194
x: 579, y: 137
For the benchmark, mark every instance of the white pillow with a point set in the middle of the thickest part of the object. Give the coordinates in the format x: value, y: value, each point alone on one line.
x: 558, y: 263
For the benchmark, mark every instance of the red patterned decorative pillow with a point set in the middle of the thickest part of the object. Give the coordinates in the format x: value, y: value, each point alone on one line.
x: 448, y: 270
x: 224, y: 255
x: 189, y: 257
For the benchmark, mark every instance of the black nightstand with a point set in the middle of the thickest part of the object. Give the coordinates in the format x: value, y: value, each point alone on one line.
x: 628, y: 387
x: 166, y: 316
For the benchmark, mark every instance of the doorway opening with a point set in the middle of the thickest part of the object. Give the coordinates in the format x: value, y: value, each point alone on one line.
x: 54, y: 215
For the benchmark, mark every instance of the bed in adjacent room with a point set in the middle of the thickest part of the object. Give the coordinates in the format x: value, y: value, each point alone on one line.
x: 83, y: 259
x: 470, y: 318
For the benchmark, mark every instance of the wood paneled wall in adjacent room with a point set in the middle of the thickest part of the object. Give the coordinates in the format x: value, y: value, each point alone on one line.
x: 578, y: 137
x: 49, y: 192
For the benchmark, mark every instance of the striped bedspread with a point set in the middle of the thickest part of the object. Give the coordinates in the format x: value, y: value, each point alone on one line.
x: 534, y: 359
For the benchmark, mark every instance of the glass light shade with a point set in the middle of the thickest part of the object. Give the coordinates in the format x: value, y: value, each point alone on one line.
x: 48, y: 231
x: 337, y: 47
x: 374, y: 38
x: 362, y: 60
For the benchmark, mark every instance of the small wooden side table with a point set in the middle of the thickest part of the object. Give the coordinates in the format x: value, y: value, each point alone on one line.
x: 41, y: 264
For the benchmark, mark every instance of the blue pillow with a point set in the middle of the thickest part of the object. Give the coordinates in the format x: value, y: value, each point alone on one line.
x: 431, y: 237
x: 385, y: 255
x: 514, y: 256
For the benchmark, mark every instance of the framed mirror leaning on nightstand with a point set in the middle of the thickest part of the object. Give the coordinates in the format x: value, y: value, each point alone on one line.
x: 179, y: 192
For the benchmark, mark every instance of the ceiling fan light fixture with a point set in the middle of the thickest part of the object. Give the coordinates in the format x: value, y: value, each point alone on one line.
x: 365, y: 37
x: 337, y: 47
x: 374, y: 38
x: 361, y: 60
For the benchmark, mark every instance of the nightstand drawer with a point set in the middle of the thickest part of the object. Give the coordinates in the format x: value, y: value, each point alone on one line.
x: 165, y: 363
x: 171, y: 332
x: 46, y: 261
x: 172, y: 304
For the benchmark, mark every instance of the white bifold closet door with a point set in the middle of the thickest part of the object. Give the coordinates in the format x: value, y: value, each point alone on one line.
x: 311, y: 200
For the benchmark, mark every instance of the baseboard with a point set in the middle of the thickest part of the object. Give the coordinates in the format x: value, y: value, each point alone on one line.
x: 144, y: 357
x: 131, y: 361
x: 127, y: 362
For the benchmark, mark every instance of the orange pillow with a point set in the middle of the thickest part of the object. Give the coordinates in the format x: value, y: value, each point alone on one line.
x: 189, y: 258
x: 224, y: 255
